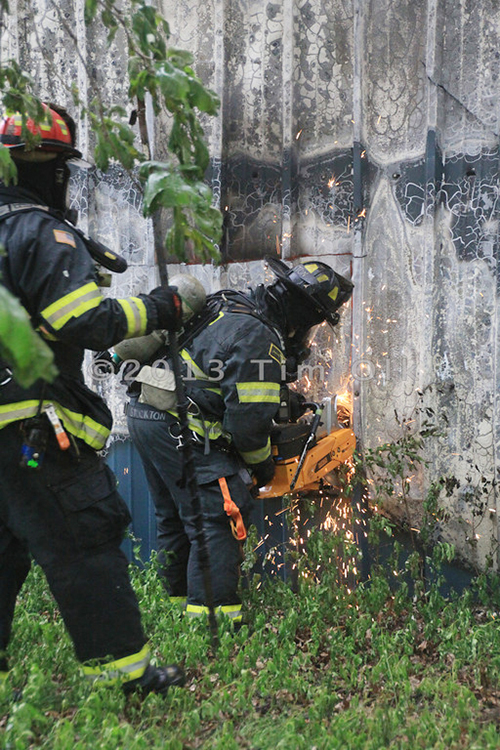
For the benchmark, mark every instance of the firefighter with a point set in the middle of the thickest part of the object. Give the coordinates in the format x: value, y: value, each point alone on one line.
x: 58, y: 499
x: 235, y: 356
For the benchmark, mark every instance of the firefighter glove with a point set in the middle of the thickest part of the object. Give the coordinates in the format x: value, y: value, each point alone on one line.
x: 263, y: 472
x: 168, y: 307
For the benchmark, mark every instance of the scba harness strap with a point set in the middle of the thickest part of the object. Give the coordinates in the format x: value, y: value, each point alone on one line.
x: 226, y: 300
x: 99, y: 252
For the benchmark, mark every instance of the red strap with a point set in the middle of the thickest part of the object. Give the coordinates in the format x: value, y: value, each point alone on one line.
x: 232, y: 510
x: 177, y: 300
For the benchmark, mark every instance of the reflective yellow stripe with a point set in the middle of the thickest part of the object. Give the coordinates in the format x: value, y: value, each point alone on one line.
x: 219, y: 316
x: 19, y: 410
x: 72, y: 305
x: 193, y: 371
x: 255, y: 457
x: 233, y: 611
x: 194, y: 610
x: 333, y: 293
x: 201, y: 427
x: 136, y: 314
x: 193, y: 367
x: 84, y: 427
x: 258, y: 393
x: 80, y: 425
x: 129, y: 668
x: 62, y: 125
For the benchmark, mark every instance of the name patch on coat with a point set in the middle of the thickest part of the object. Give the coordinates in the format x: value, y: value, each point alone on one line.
x: 276, y: 354
x: 64, y: 237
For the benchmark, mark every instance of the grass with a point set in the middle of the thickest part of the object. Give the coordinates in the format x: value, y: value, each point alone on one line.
x: 322, y: 667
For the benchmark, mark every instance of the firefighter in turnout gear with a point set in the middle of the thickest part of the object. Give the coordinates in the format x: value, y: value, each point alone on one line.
x: 58, y: 499
x: 236, y: 355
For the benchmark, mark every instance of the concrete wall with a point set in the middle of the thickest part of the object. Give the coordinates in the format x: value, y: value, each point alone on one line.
x: 364, y: 132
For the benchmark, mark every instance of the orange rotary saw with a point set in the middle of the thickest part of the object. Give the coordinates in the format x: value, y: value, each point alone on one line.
x: 306, y: 452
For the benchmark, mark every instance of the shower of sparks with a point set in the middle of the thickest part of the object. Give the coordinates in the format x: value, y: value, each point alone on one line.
x: 333, y: 515
x: 327, y: 509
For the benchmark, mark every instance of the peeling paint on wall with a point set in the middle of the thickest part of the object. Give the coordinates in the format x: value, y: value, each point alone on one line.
x: 363, y: 133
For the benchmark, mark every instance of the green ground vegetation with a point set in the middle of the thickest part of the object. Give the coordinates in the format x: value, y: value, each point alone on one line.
x: 317, y: 665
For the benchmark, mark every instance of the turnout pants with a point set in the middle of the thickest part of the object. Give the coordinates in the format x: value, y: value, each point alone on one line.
x: 151, y: 432
x: 70, y: 518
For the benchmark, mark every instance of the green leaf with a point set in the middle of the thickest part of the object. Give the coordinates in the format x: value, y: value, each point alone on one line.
x: 175, y: 240
x: 203, y: 246
x: 174, y: 83
x: 180, y: 57
x: 90, y: 10
x: 147, y: 26
x: 202, y: 98
x: 101, y: 153
x: 201, y: 155
x: 169, y: 190
x: 8, y: 170
x: 180, y: 143
x: 22, y: 348
x: 109, y: 20
x: 209, y: 222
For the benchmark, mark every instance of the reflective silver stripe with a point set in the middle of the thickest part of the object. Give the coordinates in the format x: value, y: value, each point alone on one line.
x: 259, y: 393
x: 233, y: 611
x: 136, y: 314
x: 130, y: 667
x: 84, y: 427
x: 80, y: 425
x: 72, y: 305
x: 201, y: 427
x: 19, y: 410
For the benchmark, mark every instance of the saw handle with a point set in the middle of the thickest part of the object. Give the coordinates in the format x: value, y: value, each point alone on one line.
x: 310, y: 440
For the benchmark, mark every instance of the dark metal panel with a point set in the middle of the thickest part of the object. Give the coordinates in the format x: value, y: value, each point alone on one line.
x: 268, y: 516
x: 124, y: 460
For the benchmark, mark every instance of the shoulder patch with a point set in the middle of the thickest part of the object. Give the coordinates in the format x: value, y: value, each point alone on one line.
x: 66, y: 238
x: 276, y: 354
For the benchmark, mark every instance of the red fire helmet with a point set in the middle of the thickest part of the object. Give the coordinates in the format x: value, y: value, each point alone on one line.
x: 54, y: 132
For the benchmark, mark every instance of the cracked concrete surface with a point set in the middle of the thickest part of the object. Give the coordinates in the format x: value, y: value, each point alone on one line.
x: 365, y: 133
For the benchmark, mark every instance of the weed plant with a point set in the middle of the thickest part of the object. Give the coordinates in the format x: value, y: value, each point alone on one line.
x: 323, y: 666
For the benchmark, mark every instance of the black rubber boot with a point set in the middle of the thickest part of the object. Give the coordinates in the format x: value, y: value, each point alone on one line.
x: 157, y: 680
